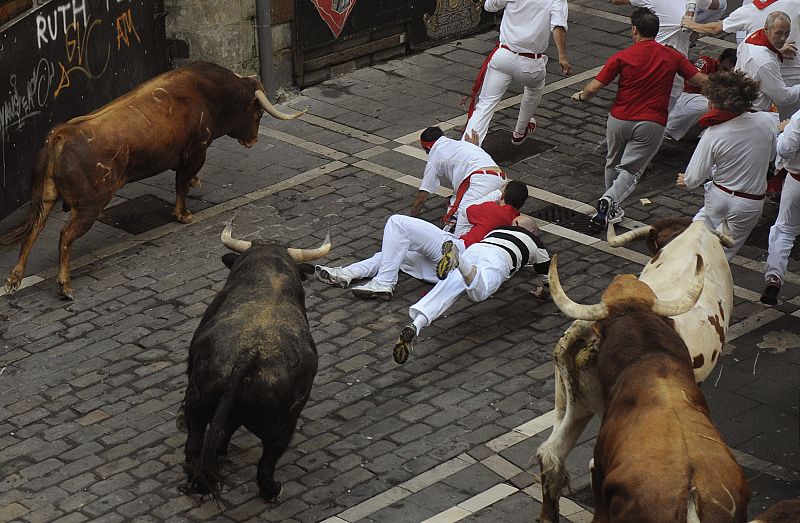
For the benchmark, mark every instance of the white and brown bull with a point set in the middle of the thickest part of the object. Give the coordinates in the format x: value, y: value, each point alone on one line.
x: 658, y: 457
x: 167, y: 122
x: 675, y: 244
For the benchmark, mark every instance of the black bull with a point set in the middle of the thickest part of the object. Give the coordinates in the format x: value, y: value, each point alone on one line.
x: 252, y: 361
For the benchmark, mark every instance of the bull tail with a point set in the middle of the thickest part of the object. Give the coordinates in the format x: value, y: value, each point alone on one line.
x: 47, y: 161
x: 208, y: 474
x: 692, y: 513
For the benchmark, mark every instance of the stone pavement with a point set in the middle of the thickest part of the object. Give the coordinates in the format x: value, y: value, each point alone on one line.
x: 90, y: 388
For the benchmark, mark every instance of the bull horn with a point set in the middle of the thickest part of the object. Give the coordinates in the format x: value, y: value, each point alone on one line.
x: 622, y: 239
x: 232, y: 243
x: 307, y: 255
x: 268, y: 107
x: 680, y: 305
x: 568, y: 307
x: 725, y: 237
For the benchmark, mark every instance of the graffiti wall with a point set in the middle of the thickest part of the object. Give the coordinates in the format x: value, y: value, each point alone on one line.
x: 64, y: 59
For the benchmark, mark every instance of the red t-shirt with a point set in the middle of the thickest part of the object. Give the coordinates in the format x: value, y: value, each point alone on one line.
x: 705, y: 64
x: 486, y: 217
x: 646, y: 71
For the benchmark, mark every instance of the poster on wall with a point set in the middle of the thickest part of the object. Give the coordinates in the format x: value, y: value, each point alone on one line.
x: 67, y: 58
x: 334, y: 13
x: 321, y: 23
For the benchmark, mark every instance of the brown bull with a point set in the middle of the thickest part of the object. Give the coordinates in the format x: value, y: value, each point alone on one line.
x: 167, y: 122
x: 658, y: 458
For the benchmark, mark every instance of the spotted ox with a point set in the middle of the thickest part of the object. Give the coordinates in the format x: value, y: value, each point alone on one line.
x: 252, y: 362
x: 675, y: 243
x: 658, y: 457
x: 167, y: 122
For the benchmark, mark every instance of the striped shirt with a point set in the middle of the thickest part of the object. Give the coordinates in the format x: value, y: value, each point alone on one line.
x: 521, y: 246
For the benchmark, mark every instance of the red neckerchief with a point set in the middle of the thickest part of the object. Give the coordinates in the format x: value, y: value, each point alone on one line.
x: 717, y: 116
x: 760, y: 38
x: 761, y: 4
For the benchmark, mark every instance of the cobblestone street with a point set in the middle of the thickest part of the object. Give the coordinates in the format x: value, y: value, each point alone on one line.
x: 90, y: 389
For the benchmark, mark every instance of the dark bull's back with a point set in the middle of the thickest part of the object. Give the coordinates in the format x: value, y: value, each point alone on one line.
x: 252, y: 362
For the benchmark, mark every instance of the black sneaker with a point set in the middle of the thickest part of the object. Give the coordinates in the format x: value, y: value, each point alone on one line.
x: 449, y: 260
x: 770, y: 294
x: 599, y: 221
x: 405, y: 344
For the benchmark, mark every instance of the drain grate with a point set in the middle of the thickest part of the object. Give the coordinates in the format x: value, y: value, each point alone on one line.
x: 498, y: 145
x: 564, y: 217
x: 144, y: 213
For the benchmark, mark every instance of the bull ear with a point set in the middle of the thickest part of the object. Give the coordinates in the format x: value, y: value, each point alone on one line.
x: 229, y: 259
x: 305, y: 270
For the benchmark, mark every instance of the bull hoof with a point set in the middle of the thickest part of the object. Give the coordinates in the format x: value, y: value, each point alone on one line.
x: 272, y: 491
x: 180, y: 420
x: 186, y: 217
x: 12, y: 284
x: 195, y: 183
x: 65, y: 291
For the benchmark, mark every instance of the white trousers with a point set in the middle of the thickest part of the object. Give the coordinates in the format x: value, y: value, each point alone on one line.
x: 409, y: 244
x: 685, y: 115
x: 480, y: 185
x: 504, y: 67
x: 785, y: 230
x: 493, y: 268
x: 741, y: 214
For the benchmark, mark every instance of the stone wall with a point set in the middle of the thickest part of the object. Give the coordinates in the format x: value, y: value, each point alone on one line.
x: 224, y: 32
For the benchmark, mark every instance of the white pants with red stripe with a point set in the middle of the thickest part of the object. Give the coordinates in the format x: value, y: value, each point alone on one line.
x: 742, y: 215
x: 493, y: 268
x: 504, y: 67
x: 785, y: 230
x: 482, y: 188
x: 409, y: 244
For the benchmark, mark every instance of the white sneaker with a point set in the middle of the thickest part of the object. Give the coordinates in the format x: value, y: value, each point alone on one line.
x: 617, y: 214
x: 373, y: 289
x: 338, y: 276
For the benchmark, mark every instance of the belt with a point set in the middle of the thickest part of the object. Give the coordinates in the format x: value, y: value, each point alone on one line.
x: 526, y: 55
x: 740, y: 194
x: 495, y: 172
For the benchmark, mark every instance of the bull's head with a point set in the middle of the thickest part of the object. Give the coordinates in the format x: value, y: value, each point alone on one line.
x: 624, y: 294
x: 298, y: 255
x: 662, y: 232
x: 247, y: 134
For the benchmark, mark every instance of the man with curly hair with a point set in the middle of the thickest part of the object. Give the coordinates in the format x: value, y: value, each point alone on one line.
x: 732, y: 157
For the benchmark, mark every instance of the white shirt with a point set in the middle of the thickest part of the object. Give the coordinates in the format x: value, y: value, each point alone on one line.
x: 452, y: 161
x: 670, y: 13
x: 735, y: 153
x: 789, y: 146
x: 527, y: 24
x: 750, y: 19
x: 760, y: 63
